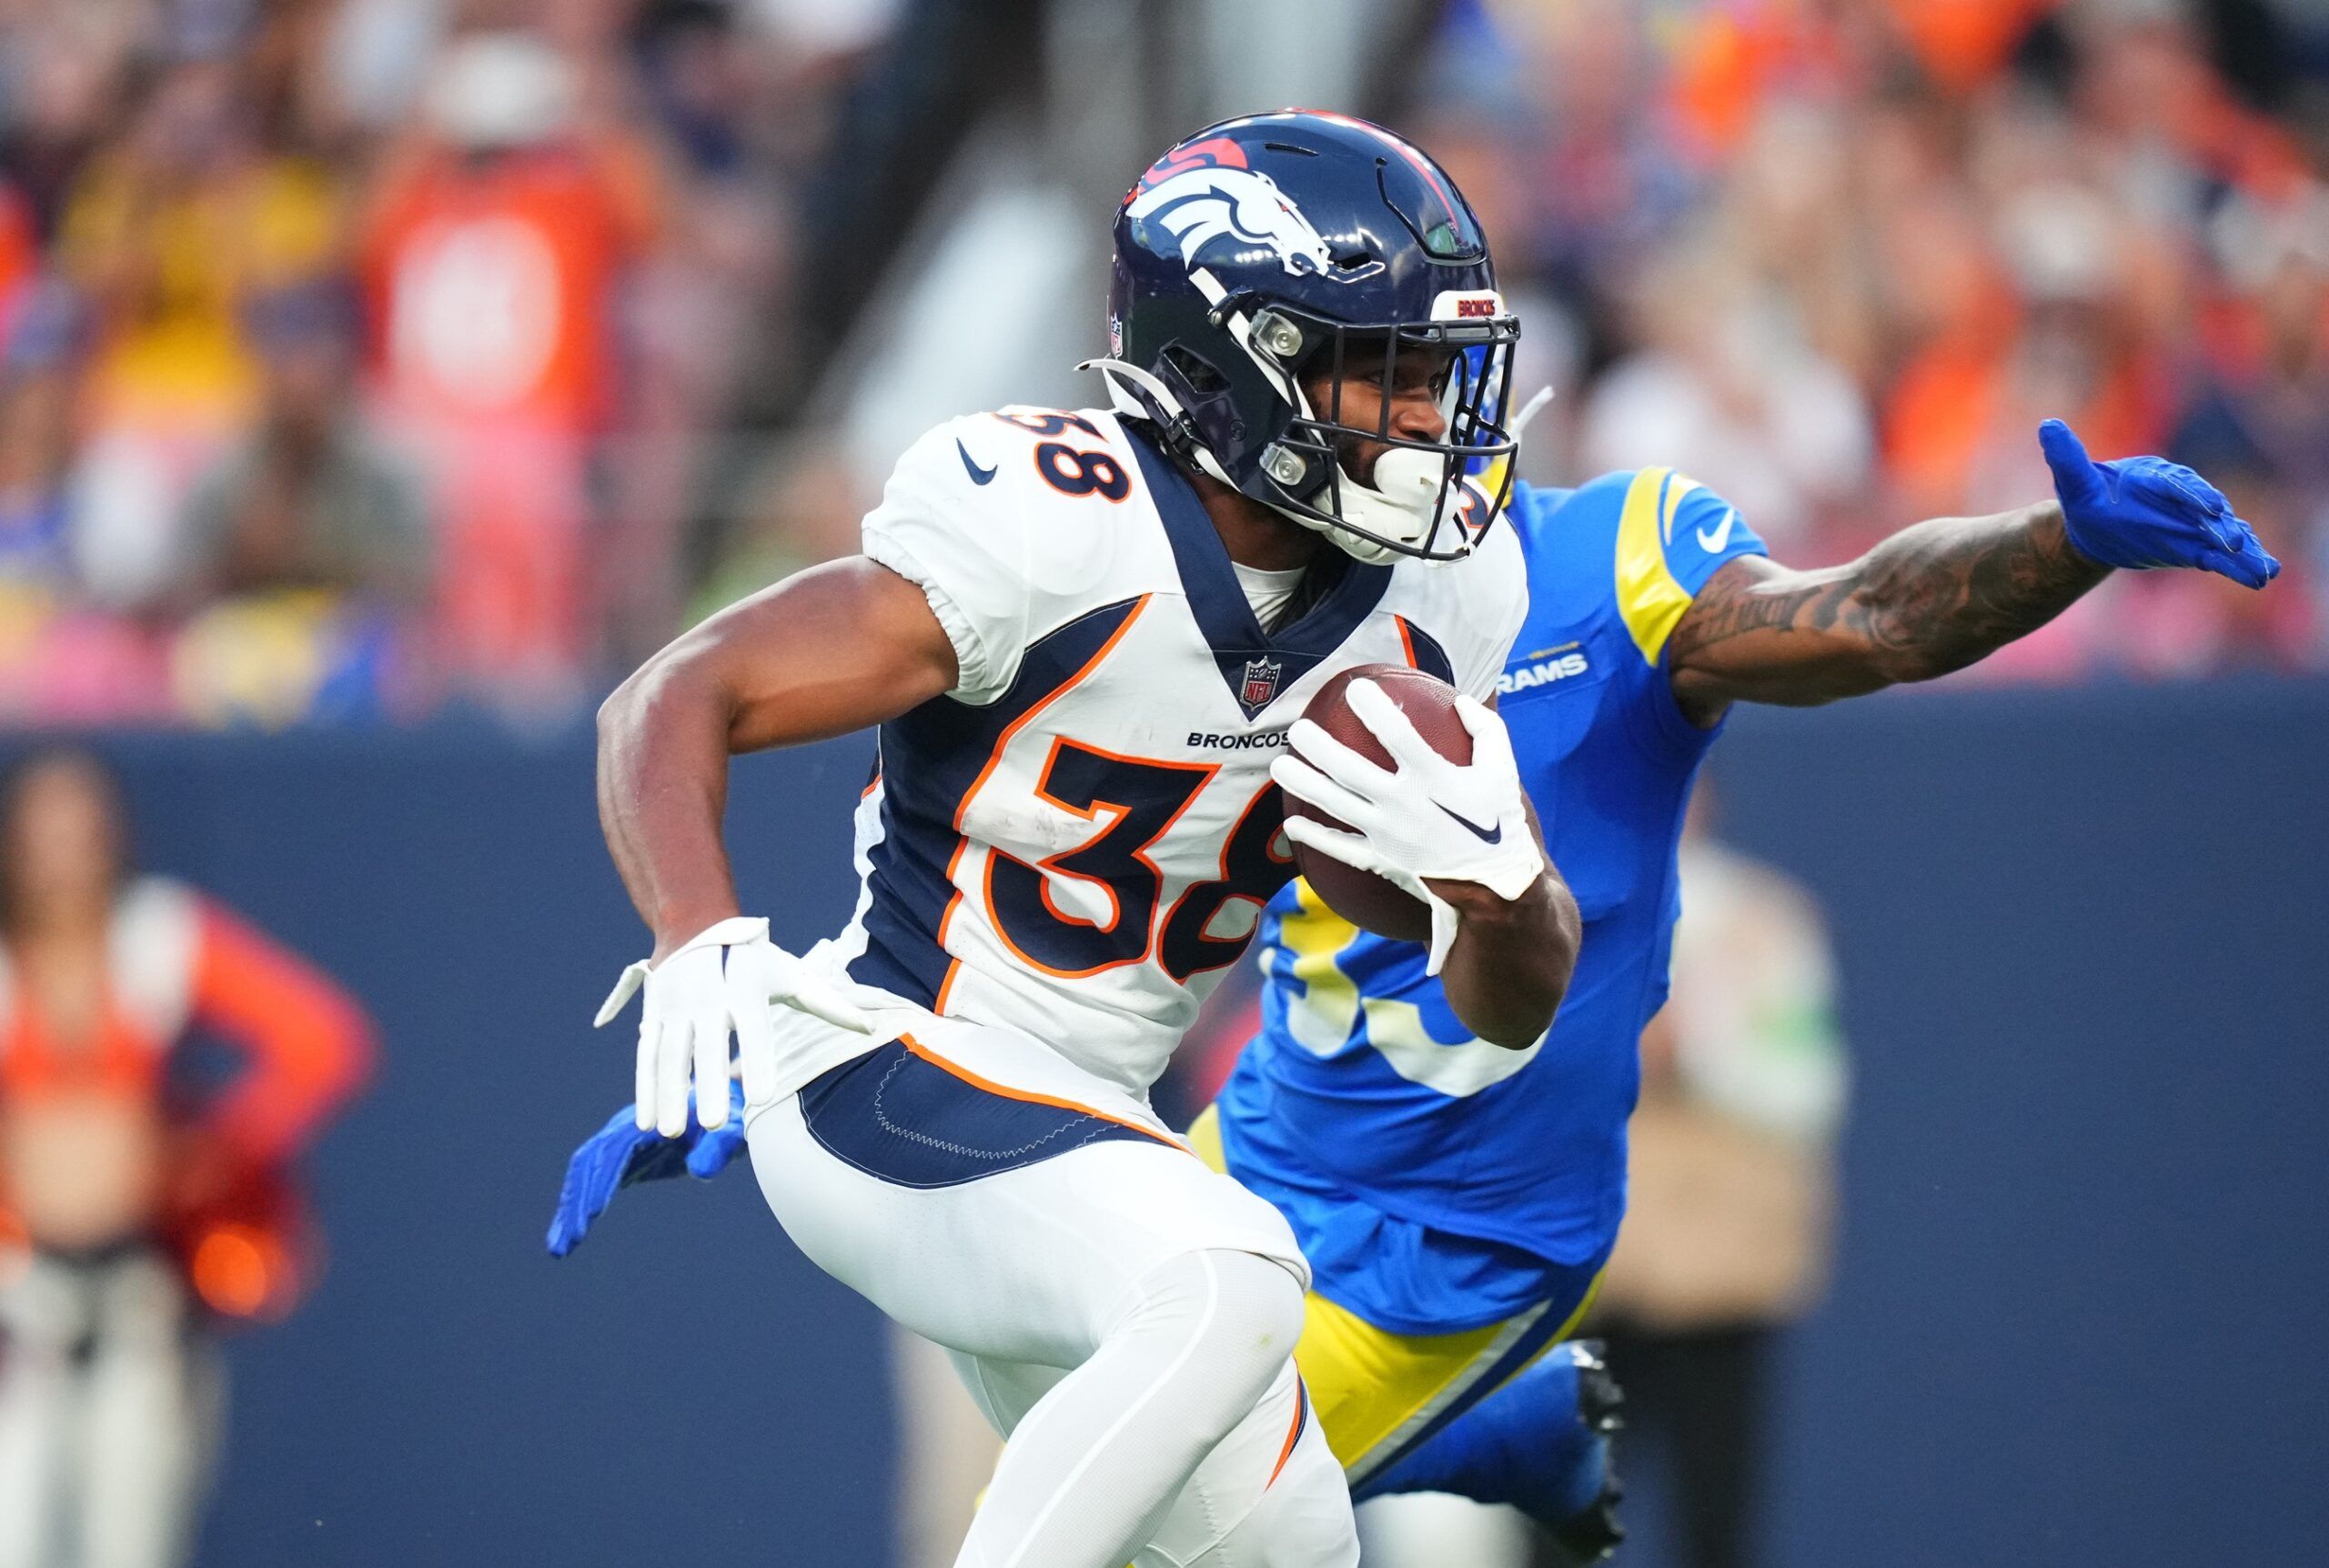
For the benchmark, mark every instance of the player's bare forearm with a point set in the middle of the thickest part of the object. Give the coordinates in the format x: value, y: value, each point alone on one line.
x: 1509, y: 967
x: 1931, y: 598
x: 662, y: 788
x: 840, y: 648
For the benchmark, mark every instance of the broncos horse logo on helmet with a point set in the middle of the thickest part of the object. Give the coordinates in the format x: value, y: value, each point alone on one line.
x: 1198, y: 205
x: 1272, y: 248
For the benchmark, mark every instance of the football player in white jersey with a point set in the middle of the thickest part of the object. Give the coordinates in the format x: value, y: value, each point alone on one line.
x: 1084, y: 637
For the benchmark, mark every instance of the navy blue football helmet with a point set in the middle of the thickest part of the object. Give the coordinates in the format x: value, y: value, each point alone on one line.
x: 1265, y: 249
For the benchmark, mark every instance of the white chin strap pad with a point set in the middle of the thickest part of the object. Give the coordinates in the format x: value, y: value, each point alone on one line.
x: 1398, y: 506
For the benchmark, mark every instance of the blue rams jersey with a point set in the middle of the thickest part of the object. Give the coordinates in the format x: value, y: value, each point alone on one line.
x: 1437, y: 1181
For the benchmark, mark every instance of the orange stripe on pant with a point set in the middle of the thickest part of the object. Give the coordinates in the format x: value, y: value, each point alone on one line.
x: 1293, y: 1433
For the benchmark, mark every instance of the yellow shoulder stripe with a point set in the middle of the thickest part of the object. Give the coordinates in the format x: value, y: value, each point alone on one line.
x: 1648, y: 596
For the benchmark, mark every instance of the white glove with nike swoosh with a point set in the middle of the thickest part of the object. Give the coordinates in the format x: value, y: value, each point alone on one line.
x: 722, y: 979
x: 1430, y: 818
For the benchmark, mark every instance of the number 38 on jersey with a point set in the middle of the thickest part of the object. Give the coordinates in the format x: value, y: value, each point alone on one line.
x: 1078, y: 839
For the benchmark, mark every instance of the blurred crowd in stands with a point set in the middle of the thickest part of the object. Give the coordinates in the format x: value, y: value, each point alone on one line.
x: 362, y: 357
x: 1838, y: 258
x: 355, y: 355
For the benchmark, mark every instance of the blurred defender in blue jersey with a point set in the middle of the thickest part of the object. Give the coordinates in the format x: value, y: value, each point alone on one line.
x: 1457, y: 1199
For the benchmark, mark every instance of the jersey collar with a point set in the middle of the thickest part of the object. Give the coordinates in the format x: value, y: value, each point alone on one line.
x: 1241, y: 649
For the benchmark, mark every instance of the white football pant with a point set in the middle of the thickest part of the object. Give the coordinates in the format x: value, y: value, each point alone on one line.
x: 1123, y: 1315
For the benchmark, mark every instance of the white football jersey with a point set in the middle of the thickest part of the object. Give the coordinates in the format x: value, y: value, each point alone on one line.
x: 1077, y: 840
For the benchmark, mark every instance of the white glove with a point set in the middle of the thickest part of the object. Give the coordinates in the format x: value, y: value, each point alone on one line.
x: 1429, y: 819
x: 724, y: 978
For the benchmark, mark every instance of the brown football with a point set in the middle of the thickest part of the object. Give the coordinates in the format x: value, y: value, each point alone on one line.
x: 1362, y: 897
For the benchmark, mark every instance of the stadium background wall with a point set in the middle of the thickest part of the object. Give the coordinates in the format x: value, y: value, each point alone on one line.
x: 2085, y: 941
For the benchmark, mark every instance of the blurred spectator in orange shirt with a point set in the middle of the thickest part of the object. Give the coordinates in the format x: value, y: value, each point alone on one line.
x: 136, y: 1216
x: 495, y: 252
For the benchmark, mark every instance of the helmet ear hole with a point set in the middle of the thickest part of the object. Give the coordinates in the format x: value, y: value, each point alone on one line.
x: 1202, y: 377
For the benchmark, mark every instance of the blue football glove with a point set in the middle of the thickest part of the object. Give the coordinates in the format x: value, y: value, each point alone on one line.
x: 2142, y: 512
x: 620, y: 1154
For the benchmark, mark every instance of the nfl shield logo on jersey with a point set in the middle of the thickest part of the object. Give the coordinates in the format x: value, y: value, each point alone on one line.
x: 1261, y: 681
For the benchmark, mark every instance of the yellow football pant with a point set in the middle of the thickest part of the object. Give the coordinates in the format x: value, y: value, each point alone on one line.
x: 1374, y: 1391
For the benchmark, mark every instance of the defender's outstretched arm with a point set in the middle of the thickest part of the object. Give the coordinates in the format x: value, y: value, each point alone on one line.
x: 1930, y: 599
x: 840, y: 647
x: 1940, y: 594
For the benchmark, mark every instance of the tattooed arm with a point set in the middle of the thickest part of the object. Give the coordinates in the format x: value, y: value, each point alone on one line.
x: 1930, y: 599
x: 1938, y: 595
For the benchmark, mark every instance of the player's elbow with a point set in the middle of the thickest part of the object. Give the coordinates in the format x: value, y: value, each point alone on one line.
x: 667, y: 681
x: 1523, y: 1029
x: 622, y: 720
x: 620, y: 713
x: 1519, y: 1018
x: 615, y: 712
